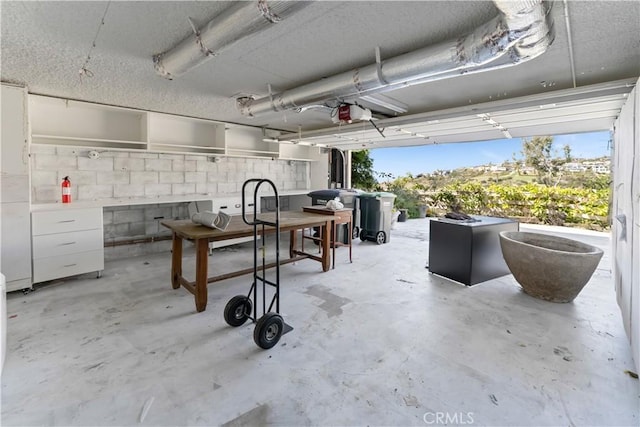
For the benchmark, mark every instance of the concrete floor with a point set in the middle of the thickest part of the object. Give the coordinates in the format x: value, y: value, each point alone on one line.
x: 377, y: 342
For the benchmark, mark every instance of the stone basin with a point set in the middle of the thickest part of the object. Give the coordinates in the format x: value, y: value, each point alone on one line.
x: 549, y: 267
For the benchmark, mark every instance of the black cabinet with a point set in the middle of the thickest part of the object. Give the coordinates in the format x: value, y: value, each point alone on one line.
x: 468, y: 252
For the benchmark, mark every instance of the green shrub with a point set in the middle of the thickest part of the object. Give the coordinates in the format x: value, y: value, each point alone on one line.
x: 585, y: 207
x: 406, y: 198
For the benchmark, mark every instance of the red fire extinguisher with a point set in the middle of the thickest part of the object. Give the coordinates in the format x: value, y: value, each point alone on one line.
x: 66, y: 190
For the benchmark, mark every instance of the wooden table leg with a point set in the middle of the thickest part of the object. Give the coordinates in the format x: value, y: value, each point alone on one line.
x: 334, y: 241
x: 202, y: 265
x: 350, y: 237
x: 176, y: 261
x: 326, y: 246
x: 293, y: 234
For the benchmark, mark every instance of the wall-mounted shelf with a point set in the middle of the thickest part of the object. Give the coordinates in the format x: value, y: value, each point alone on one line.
x: 247, y: 142
x: 56, y: 121
x: 63, y: 122
x: 241, y: 152
x: 297, y: 152
x: 91, y: 142
x: 184, y: 149
x: 185, y: 134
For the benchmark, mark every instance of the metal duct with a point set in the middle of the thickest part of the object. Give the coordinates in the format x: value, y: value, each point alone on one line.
x: 236, y: 22
x: 521, y: 31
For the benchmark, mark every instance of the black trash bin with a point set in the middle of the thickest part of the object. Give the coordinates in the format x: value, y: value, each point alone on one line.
x: 376, y: 212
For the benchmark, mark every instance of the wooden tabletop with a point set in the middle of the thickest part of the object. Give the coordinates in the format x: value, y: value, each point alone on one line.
x: 320, y: 209
x: 289, y: 220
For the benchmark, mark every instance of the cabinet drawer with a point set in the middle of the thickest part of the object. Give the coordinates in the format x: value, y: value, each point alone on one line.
x: 53, y: 267
x: 62, y: 221
x: 47, y: 245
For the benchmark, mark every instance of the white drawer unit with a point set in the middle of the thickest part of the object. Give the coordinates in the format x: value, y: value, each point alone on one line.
x: 72, y: 242
x: 65, y: 220
x: 66, y: 242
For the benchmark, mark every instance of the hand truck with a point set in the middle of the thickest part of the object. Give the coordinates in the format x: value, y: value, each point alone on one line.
x: 270, y: 326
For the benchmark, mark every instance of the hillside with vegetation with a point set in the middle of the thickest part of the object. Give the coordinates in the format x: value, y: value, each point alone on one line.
x: 539, y: 188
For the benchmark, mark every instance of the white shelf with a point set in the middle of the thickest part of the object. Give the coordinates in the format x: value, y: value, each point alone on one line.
x: 186, y: 149
x: 90, y: 142
x: 82, y: 121
x: 56, y: 121
x: 247, y: 141
x: 179, y: 131
x: 255, y: 152
x: 297, y: 152
x: 127, y: 201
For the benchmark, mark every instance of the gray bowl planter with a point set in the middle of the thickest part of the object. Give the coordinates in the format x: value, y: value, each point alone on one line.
x: 549, y: 267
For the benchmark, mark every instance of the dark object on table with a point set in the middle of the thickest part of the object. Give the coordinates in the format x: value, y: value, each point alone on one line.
x: 457, y: 215
x: 468, y: 252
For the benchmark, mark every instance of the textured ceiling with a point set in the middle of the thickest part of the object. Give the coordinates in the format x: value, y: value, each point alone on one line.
x: 44, y: 44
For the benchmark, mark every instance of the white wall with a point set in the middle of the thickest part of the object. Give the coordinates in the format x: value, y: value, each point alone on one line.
x: 626, y: 218
x: 124, y: 174
x: 319, y: 172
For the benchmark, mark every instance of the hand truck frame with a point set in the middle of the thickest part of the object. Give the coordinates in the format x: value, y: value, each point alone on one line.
x: 270, y: 326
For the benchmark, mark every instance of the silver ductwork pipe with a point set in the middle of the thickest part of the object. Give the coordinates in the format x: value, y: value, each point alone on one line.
x: 520, y: 32
x: 238, y: 21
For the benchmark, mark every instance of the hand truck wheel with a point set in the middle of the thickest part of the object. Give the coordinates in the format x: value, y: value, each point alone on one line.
x: 355, y: 233
x: 237, y: 310
x: 268, y: 330
x: 381, y: 237
x: 363, y: 235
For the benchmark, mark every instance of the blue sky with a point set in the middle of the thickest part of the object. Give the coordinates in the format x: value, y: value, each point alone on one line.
x: 415, y: 160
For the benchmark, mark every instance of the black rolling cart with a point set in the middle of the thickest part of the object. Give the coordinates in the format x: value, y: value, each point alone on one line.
x: 270, y: 326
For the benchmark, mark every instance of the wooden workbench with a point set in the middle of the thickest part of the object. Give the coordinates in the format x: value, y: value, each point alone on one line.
x: 201, y: 236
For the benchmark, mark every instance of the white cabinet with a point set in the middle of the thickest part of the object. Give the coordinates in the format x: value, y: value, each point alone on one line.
x: 59, y: 121
x: 67, y: 242
x: 15, y: 156
x: 64, y: 122
x: 15, y: 244
x: 169, y: 133
x: 245, y: 141
x: 297, y: 152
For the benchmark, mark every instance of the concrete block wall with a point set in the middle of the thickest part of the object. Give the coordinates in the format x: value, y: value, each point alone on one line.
x: 124, y: 223
x: 141, y: 175
x: 139, y: 228
x: 131, y: 174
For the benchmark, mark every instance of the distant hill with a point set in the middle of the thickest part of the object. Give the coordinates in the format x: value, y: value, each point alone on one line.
x: 578, y: 173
